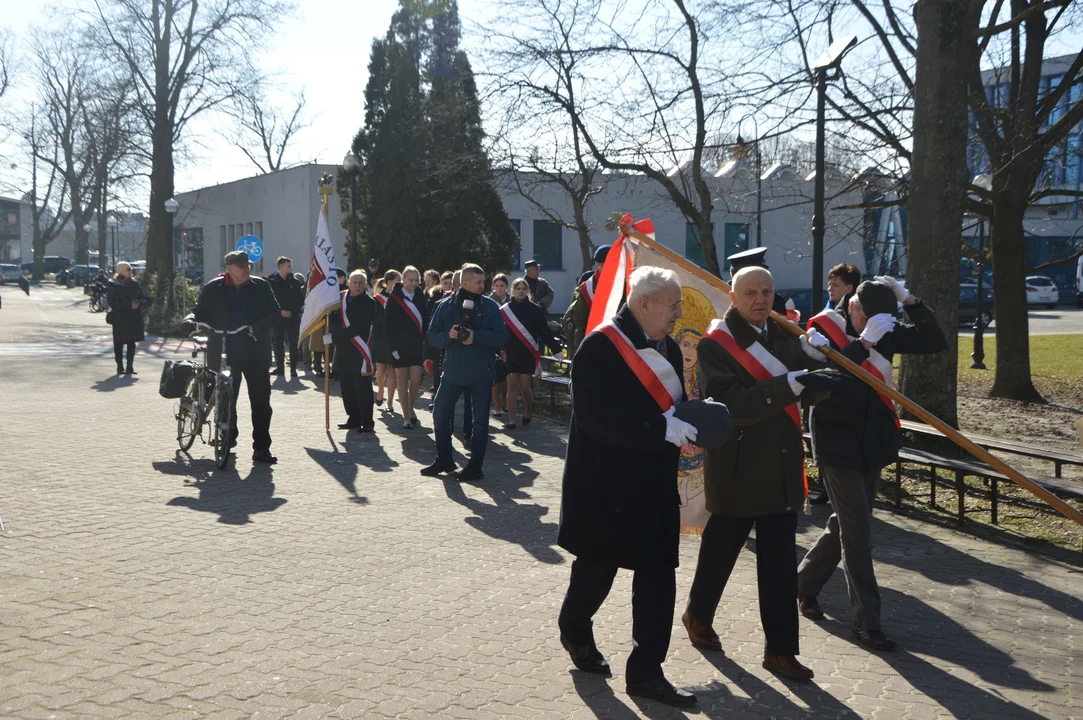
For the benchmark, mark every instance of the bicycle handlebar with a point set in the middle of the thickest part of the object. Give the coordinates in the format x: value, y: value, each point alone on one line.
x: 212, y: 329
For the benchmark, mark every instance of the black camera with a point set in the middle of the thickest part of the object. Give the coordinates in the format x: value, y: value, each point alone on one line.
x: 463, y: 328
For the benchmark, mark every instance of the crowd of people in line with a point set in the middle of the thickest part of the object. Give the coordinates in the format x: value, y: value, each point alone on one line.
x: 631, y: 416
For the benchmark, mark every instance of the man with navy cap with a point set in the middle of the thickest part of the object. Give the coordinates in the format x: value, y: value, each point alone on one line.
x: 575, y: 319
x: 541, y: 293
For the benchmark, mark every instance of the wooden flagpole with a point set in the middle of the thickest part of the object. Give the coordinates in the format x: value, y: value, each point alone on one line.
x: 927, y: 417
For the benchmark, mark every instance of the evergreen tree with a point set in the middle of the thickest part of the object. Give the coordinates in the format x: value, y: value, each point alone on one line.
x: 427, y: 194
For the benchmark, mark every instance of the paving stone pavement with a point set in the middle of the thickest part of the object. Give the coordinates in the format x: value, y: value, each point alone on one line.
x: 136, y: 581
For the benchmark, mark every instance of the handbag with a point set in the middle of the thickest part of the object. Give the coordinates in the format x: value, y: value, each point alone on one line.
x: 109, y: 318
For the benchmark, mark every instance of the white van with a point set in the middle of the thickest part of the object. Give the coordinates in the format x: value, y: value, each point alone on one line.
x: 1079, y: 282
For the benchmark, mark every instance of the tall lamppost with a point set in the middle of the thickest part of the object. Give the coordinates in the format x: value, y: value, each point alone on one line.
x: 830, y: 60
x: 86, y: 229
x: 352, y: 165
x: 112, y: 223
x: 759, y: 177
x: 171, y: 207
x: 985, y: 183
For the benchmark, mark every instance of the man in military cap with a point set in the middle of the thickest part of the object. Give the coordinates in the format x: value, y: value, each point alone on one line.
x: 541, y: 293
x: 756, y: 257
x: 577, y: 314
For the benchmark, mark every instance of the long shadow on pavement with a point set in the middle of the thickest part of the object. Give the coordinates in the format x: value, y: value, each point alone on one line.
x: 223, y: 492
x: 946, y: 565
x: 114, y: 382
x: 342, y: 464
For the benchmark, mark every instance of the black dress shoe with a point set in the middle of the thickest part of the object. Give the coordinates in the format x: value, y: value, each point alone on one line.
x: 437, y: 468
x: 130, y: 371
x: 875, y: 640
x: 819, y: 498
x: 366, y: 429
x: 663, y: 691
x: 587, y: 658
x: 264, y: 456
x: 278, y: 371
x: 347, y: 426
x: 469, y: 474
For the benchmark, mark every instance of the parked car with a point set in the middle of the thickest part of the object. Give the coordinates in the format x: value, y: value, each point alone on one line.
x: 968, y: 304
x: 10, y: 273
x: 53, y: 264
x: 802, y: 302
x: 1042, y: 291
x: 79, y: 274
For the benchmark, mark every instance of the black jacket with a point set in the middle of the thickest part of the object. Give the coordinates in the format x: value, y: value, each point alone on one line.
x: 533, y: 319
x: 400, y: 331
x: 289, y: 293
x: 853, y: 428
x: 361, y: 312
x: 263, y: 315
x: 619, y: 501
x: 127, y: 323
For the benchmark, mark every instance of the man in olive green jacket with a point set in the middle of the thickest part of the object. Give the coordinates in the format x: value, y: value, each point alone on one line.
x: 757, y: 478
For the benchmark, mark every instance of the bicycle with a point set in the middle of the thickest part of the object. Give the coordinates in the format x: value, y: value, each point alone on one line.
x: 208, y: 390
x: 99, y: 297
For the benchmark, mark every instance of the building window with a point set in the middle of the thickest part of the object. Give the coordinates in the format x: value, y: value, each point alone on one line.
x: 518, y: 261
x: 232, y: 242
x: 548, y: 248
x: 692, y: 249
x: 736, y: 239
x: 223, y: 242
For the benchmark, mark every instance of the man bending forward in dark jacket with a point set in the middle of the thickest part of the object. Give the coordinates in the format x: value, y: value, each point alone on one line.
x: 855, y: 434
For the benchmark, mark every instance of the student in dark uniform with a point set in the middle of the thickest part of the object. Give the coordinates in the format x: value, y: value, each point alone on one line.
x: 405, y: 324
x: 525, y: 321
x: 354, y: 355
x: 385, y: 373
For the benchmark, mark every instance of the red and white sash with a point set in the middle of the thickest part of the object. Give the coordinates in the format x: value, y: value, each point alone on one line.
x: 525, y: 337
x: 652, y: 370
x: 361, y: 345
x: 758, y: 361
x: 586, y: 291
x: 380, y: 299
x: 410, y: 309
x: 833, y: 325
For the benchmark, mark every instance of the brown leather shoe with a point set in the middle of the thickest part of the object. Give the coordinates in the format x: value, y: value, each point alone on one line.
x: 788, y: 667
x: 702, y: 636
x: 810, y: 608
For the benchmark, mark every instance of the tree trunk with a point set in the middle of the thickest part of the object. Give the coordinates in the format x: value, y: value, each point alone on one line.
x: 102, y: 245
x: 939, y: 181
x: 1012, y: 379
x: 585, y: 247
x: 159, y: 234
x: 705, y: 228
x: 37, y: 273
x: 77, y: 223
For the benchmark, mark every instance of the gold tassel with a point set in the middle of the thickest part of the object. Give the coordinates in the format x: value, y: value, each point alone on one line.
x: 808, y: 507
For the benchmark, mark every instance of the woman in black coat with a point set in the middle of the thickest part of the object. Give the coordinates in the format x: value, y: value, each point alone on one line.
x: 381, y: 353
x: 126, y: 315
x: 522, y: 364
x: 405, y: 324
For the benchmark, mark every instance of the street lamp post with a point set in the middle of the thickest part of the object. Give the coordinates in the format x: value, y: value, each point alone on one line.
x: 352, y: 165
x: 171, y: 207
x: 830, y: 60
x: 984, y: 182
x: 112, y: 223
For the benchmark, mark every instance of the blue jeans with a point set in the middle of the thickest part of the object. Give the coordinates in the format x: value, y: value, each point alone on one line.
x: 480, y: 394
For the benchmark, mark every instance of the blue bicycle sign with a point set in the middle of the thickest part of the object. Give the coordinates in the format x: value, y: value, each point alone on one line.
x: 252, y: 245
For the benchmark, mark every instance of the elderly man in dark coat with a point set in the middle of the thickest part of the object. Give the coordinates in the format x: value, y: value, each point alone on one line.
x: 352, y: 332
x: 757, y: 478
x: 619, y: 506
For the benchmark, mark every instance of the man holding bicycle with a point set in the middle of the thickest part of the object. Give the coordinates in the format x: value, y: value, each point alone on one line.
x: 230, y: 302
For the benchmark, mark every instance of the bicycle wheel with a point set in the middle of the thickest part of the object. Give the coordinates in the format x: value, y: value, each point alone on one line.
x: 187, y: 425
x: 222, y: 403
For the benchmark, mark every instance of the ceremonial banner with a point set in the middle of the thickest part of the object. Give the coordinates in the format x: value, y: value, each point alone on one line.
x: 323, y: 292
x: 701, y: 303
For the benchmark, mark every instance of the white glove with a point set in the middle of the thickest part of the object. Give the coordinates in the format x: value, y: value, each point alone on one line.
x: 901, y: 293
x: 791, y: 377
x: 678, y: 431
x: 395, y: 354
x: 877, y: 327
x: 810, y: 349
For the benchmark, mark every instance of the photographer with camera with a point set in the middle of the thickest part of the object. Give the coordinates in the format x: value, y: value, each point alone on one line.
x: 470, y: 327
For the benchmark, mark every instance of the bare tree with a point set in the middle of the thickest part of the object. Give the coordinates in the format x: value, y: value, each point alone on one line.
x: 6, y: 61
x: 48, y: 189
x: 263, y: 131
x: 639, y: 85
x: 183, y: 57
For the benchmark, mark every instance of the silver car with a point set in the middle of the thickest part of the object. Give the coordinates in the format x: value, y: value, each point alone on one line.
x: 10, y: 273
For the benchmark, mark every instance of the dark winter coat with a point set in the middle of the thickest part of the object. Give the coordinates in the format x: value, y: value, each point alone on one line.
x: 261, y: 309
x: 127, y: 323
x: 760, y: 471
x: 853, y: 428
x: 619, y: 501
x: 361, y: 312
x: 467, y: 364
x: 520, y: 359
x: 290, y: 294
x: 400, y: 331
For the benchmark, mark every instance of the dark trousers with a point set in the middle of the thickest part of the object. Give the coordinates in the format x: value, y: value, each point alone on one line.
x: 776, y: 573
x: 357, y: 397
x: 479, y: 396
x: 283, y: 333
x: 847, y: 538
x: 654, y: 591
x: 468, y: 413
x: 118, y: 350
x: 259, y: 397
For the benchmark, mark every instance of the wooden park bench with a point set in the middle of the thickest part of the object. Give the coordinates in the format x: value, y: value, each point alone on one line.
x: 554, y: 380
x: 965, y: 467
